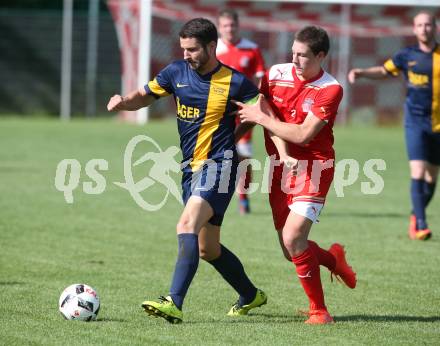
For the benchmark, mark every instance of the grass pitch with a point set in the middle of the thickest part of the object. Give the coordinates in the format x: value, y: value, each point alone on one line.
x: 128, y: 254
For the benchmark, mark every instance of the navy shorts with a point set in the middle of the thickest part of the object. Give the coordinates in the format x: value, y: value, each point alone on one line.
x: 421, y: 142
x: 214, y: 182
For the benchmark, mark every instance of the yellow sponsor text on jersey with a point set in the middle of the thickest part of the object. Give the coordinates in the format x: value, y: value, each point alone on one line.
x: 186, y: 112
x: 418, y: 79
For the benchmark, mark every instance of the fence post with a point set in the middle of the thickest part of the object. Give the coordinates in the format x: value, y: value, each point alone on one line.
x: 144, y: 53
x: 66, y: 60
x: 92, y: 56
x: 343, y: 59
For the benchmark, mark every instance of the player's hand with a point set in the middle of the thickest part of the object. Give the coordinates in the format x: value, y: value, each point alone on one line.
x: 115, y: 103
x: 252, y: 113
x: 354, y: 74
x: 291, y: 163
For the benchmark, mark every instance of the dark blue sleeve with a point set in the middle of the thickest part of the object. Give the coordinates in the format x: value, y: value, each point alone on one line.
x: 397, y: 63
x: 400, y: 59
x: 162, y: 84
x: 248, y: 91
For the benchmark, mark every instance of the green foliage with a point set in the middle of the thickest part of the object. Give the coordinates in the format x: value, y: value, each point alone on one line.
x: 128, y: 254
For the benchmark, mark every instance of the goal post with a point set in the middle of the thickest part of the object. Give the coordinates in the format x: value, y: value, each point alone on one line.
x: 132, y: 20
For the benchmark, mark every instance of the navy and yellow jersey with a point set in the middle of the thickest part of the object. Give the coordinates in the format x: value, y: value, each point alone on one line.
x: 203, y: 108
x: 422, y: 74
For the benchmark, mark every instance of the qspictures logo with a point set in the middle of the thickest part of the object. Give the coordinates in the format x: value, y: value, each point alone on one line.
x: 68, y: 172
x: 163, y: 164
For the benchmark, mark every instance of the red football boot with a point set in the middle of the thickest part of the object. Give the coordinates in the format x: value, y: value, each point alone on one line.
x: 342, y: 269
x: 319, y: 317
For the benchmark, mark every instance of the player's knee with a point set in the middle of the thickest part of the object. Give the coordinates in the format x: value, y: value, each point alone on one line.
x: 418, y: 170
x: 208, y: 253
x: 292, y: 244
x: 204, y: 254
x: 430, y: 177
x: 185, y: 225
x: 288, y: 242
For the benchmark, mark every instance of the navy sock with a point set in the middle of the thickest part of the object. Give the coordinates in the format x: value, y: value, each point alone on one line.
x: 418, y: 202
x: 231, y: 269
x: 428, y: 190
x: 186, y: 266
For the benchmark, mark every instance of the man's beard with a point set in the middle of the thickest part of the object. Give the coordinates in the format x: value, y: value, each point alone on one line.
x: 197, y: 65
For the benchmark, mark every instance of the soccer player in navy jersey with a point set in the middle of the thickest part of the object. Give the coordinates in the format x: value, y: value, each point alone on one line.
x: 202, y: 88
x: 420, y: 65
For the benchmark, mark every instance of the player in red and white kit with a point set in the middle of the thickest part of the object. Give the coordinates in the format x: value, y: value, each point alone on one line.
x: 244, y: 56
x: 304, y: 99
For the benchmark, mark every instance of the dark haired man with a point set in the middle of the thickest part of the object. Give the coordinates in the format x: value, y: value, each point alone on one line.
x: 244, y: 56
x: 420, y: 66
x: 304, y: 100
x: 202, y: 88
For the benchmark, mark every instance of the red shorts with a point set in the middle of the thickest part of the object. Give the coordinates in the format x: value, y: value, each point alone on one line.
x: 311, y: 184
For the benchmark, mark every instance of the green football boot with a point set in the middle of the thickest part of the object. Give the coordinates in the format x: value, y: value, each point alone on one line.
x: 164, y: 308
x: 240, y: 310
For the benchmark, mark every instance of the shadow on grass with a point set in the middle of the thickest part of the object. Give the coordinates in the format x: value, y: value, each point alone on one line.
x: 381, y: 318
x: 254, y: 318
x: 11, y: 283
x: 95, y: 262
x: 107, y: 319
x: 274, y: 318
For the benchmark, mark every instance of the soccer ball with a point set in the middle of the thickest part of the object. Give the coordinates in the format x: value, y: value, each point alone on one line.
x: 79, y: 302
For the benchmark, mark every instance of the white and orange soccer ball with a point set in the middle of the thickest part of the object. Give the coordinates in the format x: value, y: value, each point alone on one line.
x: 79, y: 302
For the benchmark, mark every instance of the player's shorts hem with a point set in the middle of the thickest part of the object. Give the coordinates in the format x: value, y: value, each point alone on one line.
x: 307, y: 207
x: 213, y: 184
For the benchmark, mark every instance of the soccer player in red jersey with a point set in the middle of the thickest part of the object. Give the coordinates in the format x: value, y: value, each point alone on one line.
x: 304, y: 100
x: 244, y: 56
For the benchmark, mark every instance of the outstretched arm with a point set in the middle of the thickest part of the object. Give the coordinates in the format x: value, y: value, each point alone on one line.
x: 132, y: 102
x: 279, y: 143
x: 375, y: 72
x: 294, y: 133
x: 300, y: 134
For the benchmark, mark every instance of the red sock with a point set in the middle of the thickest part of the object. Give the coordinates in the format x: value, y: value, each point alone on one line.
x: 324, y: 257
x: 307, y: 268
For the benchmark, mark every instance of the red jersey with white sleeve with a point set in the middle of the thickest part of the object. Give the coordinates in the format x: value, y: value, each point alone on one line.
x: 245, y: 57
x: 292, y: 101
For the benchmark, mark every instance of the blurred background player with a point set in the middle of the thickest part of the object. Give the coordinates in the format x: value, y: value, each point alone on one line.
x: 305, y: 101
x: 201, y: 87
x: 420, y: 65
x: 244, y: 56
